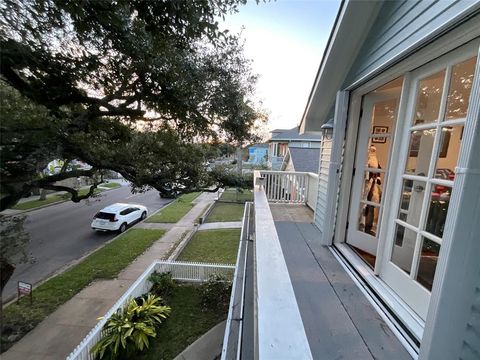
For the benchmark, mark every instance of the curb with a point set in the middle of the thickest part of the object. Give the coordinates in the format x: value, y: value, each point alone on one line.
x: 179, y: 248
x: 206, y: 213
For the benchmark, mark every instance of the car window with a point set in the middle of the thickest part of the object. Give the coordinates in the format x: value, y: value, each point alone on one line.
x: 126, y: 211
x: 135, y: 209
x: 105, y: 216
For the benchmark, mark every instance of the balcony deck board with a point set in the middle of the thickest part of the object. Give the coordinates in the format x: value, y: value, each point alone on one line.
x: 339, y: 321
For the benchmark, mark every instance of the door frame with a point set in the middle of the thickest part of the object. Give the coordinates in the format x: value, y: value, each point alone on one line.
x: 410, y: 319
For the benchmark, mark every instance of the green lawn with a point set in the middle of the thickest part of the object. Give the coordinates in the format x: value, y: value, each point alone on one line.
x: 175, y: 211
x: 37, y: 203
x: 226, y: 212
x: 111, y: 185
x: 107, y: 262
x: 216, y: 246
x: 187, y: 322
x: 237, y: 196
x: 28, y: 205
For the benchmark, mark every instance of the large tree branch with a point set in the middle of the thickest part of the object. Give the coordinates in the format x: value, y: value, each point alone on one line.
x: 75, y: 193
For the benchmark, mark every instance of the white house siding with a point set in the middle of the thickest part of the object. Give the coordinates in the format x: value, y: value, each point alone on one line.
x: 320, y: 209
x: 471, y: 343
x: 399, y: 26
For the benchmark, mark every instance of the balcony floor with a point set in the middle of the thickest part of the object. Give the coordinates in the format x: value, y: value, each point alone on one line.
x: 339, y: 321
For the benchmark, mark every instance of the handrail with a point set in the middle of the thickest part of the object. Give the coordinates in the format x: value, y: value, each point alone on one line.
x: 280, y: 332
x: 232, y: 338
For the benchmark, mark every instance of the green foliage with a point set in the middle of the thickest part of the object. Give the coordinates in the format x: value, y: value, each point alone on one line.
x: 128, y: 331
x: 163, y: 284
x: 107, y: 262
x: 229, y: 177
x: 217, y: 246
x: 103, y: 82
x: 215, y: 294
x: 13, y: 244
x: 187, y: 322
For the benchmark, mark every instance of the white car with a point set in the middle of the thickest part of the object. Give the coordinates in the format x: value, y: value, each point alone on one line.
x: 117, y: 217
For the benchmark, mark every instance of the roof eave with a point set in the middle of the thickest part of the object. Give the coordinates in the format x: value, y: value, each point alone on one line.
x: 353, y: 22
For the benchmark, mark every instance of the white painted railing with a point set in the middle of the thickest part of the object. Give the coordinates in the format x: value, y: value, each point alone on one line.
x: 279, y: 327
x: 182, y: 271
x: 312, y: 190
x: 291, y: 187
x: 195, y: 272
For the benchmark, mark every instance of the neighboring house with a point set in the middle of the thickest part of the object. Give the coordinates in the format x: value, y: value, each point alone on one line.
x: 301, y: 160
x: 258, y: 154
x: 396, y: 232
x: 282, y: 139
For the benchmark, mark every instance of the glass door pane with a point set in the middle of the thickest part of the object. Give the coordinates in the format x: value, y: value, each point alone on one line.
x: 371, y: 167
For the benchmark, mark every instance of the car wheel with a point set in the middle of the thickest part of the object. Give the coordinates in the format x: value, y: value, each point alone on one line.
x: 123, y: 227
x: 144, y: 215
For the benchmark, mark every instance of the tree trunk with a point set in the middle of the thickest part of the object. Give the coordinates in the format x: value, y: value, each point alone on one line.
x: 43, y: 194
x: 6, y: 272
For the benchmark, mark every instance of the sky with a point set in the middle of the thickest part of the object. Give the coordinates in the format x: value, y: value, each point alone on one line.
x: 285, y: 39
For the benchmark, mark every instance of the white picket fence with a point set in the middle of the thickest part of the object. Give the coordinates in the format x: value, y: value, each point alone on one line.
x: 290, y: 187
x: 181, y: 271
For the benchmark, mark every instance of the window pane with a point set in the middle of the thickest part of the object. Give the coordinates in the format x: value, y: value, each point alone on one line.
x: 384, y: 113
x: 437, y: 212
x: 411, y: 201
x: 404, y: 248
x: 377, y: 153
x: 372, y: 186
x: 420, y: 152
x: 428, y: 263
x: 429, y: 95
x: 368, y: 219
x: 460, y: 88
x: 450, y: 143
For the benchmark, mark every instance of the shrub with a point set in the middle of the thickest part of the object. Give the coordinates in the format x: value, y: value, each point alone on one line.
x: 127, y: 332
x: 215, y: 293
x: 162, y: 284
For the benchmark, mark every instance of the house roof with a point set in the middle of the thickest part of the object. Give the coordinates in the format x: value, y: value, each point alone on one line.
x: 293, y: 134
x: 305, y: 159
x: 258, y: 145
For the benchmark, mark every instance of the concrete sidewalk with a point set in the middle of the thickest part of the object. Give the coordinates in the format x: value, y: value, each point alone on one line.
x: 221, y: 225
x: 57, y: 335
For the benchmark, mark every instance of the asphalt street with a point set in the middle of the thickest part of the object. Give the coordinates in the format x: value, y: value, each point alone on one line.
x: 60, y: 234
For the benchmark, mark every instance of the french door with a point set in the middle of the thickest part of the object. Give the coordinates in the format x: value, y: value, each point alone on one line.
x: 397, y: 229
x: 433, y: 132
x: 372, y: 161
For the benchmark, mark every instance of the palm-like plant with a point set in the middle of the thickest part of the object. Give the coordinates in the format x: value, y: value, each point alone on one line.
x: 129, y: 330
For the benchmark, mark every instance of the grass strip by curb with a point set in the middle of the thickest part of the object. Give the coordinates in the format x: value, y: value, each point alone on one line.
x: 174, y: 211
x: 111, y: 185
x: 217, y: 246
x: 226, y: 212
x: 104, y: 263
x: 56, y: 198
